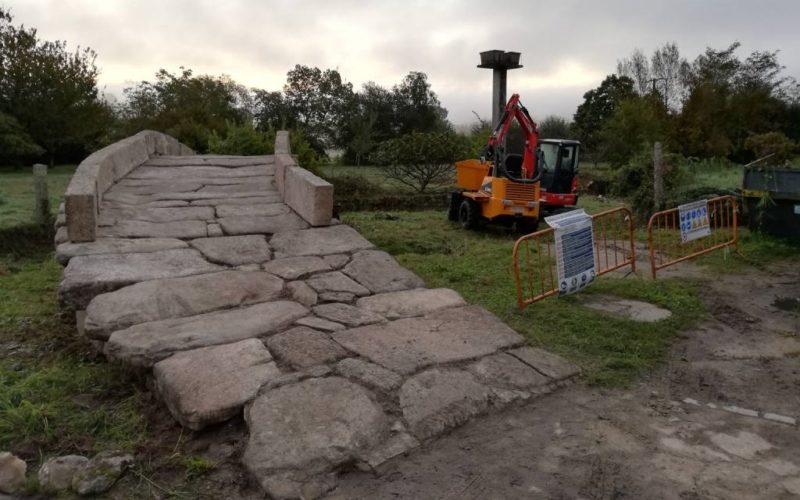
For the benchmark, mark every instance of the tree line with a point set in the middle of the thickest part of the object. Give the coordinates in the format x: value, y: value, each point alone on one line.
x: 51, y: 107
x: 717, y: 105
x: 720, y: 105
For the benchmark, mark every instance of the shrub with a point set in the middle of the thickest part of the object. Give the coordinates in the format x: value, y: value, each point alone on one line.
x: 421, y: 160
x: 241, y: 140
x: 634, y: 181
x: 772, y: 143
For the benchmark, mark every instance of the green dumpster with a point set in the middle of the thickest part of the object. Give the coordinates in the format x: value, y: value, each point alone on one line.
x: 772, y: 200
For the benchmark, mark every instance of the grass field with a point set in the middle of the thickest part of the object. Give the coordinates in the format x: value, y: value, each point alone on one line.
x: 16, y: 193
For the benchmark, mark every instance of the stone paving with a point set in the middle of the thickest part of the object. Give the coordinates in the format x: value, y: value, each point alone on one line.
x: 335, y: 354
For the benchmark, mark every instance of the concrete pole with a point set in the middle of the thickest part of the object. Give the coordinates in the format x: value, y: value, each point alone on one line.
x: 41, y: 213
x: 658, y: 178
x: 499, y: 84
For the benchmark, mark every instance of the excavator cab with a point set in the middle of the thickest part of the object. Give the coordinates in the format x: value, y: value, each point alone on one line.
x: 559, y: 181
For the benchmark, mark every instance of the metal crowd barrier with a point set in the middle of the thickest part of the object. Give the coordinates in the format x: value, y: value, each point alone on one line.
x: 534, y: 255
x: 664, y: 234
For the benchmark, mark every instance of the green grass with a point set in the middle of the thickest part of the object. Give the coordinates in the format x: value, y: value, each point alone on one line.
x: 713, y: 174
x: 17, y: 197
x: 612, y: 351
x: 56, y: 394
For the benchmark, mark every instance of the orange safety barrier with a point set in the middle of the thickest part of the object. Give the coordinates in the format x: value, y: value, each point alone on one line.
x: 534, y: 254
x: 664, y: 234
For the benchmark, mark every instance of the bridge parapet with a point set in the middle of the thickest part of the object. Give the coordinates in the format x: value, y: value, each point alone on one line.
x: 307, y: 194
x: 98, y: 172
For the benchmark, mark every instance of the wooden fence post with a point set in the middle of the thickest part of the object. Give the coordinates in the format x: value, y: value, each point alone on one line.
x: 41, y: 214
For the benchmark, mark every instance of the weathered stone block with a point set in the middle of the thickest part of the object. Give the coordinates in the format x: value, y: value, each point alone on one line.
x: 335, y: 282
x: 87, y: 276
x: 312, y: 426
x: 436, y: 400
x: 347, y: 314
x: 379, y: 272
x: 445, y: 336
x: 408, y: 303
x: 308, y: 195
x: 234, y: 250
x: 80, y: 205
x: 144, y: 229
x: 319, y: 241
x: 302, y: 347
x: 66, y: 251
x: 262, y: 225
x: 177, y: 298
x: 369, y: 374
x: 291, y: 268
x: 145, y: 344
x: 211, y: 384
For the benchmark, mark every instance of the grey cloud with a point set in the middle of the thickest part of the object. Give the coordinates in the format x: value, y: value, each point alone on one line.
x: 257, y: 41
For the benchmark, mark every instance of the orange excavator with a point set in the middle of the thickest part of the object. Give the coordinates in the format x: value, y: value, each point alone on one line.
x: 516, y: 188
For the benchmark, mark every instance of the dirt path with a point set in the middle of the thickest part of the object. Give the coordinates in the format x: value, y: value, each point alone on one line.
x: 686, y: 432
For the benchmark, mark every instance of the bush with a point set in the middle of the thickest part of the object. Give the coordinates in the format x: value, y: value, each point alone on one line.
x: 421, y: 160
x: 241, y: 140
x: 301, y: 147
x: 634, y: 181
x: 772, y: 143
x: 354, y: 186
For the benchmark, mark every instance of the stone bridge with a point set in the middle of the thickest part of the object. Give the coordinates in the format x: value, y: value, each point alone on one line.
x: 226, y: 280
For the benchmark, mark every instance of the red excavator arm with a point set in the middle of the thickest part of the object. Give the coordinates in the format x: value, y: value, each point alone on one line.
x: 515, y: 110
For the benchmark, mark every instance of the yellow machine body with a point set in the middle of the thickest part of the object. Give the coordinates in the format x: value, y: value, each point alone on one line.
x: 497, y: 196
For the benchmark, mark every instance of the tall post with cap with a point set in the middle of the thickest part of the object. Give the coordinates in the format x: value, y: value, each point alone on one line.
x: 499, y: 61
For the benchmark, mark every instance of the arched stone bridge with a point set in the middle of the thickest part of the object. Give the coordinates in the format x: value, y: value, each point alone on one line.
x: 226, y: 280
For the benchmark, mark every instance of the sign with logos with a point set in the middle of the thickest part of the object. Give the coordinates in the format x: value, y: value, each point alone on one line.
x: 694, y: 220
x: 574, y: 250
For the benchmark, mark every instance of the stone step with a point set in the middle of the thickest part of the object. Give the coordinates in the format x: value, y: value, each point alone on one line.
x: 234, y: 250
x: 211, y: 384
x: 379, y: 272
x: 87, y: 276
x: 176, y: 298
x: 145, y: 344
x: 66, y: 251
x: 319, y: 241
x: 449, y: 335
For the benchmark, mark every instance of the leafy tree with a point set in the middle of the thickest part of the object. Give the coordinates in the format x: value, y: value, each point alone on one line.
x: 417, y: 108
x: 190, y: 108
x: 730, y: 99
x: 15, y: 143
x: 478, y: 137
x: 362, y: 128
x: 272, y: 111
x: 772, y: 143
x: 51, y: 92
x: 599, y: 105
x: 422, y: 159
x: 319, y: 100
x: 555, y: 127
x: 636, y: 124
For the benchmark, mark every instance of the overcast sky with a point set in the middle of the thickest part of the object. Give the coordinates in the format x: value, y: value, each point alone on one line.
x: 567, y: 46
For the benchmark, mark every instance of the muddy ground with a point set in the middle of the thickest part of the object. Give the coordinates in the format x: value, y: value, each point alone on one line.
x: 668, y: 437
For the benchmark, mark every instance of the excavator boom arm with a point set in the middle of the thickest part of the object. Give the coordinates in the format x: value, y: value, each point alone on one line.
x: 515, y: 110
